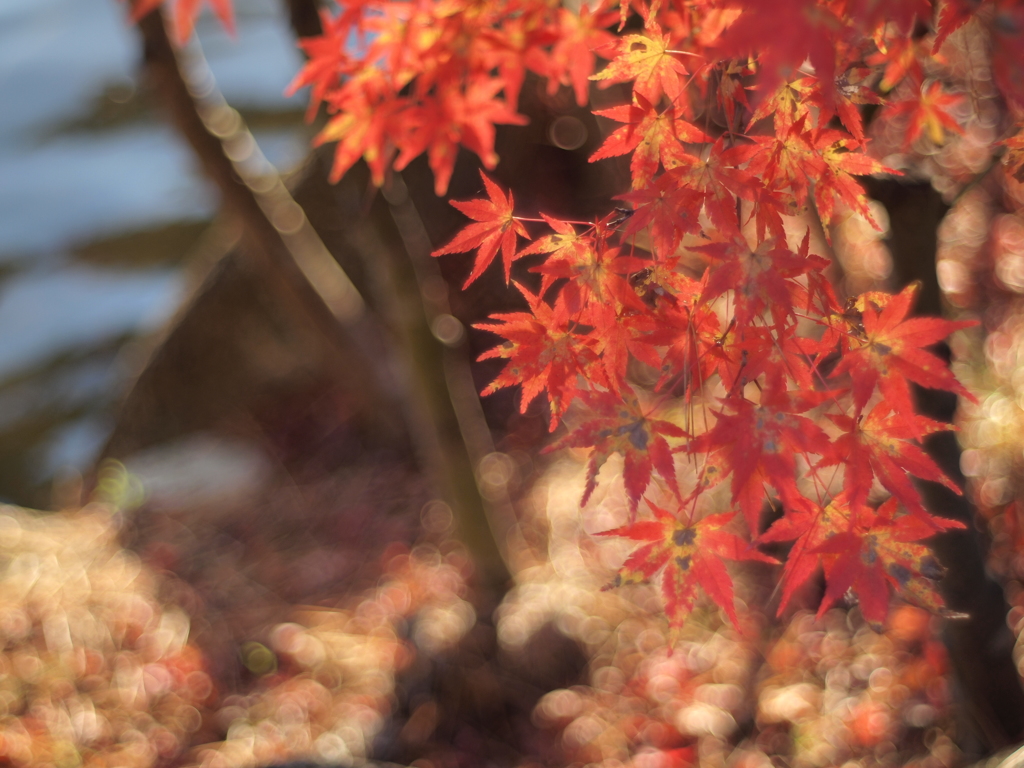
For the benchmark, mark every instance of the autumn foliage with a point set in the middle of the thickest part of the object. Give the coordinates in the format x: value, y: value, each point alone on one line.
x: 693, y: 330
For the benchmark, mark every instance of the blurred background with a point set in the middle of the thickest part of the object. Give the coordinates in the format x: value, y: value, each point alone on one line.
x: 102, y: 205
x: 282, y: 581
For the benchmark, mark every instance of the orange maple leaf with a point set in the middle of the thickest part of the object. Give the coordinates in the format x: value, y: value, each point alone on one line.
x: 363, y: 113
x: 543, y: 353
x: 463, y: 114
x: 496, y: 228
x: 929, y: 112
x: 648, y: 61
x: 1014, y: 157
x: 653, y: 136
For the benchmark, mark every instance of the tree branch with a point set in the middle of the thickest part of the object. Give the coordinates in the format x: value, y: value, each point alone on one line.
x: 278, y: 235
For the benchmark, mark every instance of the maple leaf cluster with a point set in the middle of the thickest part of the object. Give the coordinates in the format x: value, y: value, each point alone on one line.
x: 812, y: 401
x: 744, y: 119
x: 404, y: 78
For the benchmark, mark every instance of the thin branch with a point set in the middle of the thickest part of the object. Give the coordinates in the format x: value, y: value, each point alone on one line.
x: 279, y: 238
x: 455, y: 408
x: 275, y: 234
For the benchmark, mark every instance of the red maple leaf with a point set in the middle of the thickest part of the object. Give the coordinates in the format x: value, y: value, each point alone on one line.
x: 764, y: 278
x: 850, y: 92
x: 888, y: 352
x: 669, y: 207
x: 720, y: 179
x: 731, y: 91
x: 771, y: 203
x: 954, y: 14
x: 327, y: 59
x: 776, y: 354
x: 869, y: 553
x: 876, y: 553
x: 620, y: 331
x: 879, y: 444
x: 572, y: 59
x: 758, y: 444
x: 810, y: 525
x: 787, y: 160
x: 653, y: 136
x: 595, y: 275
x: 620, y: 425
x: 694, y: 349
x: 784, y: 34
x: 496, y: 227
x: 689, y: 556
x: 836, y: 183
x: 564, y: 245
x: 544, y: 352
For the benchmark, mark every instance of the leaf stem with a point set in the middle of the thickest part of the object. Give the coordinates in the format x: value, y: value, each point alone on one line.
x: 544, y: 221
